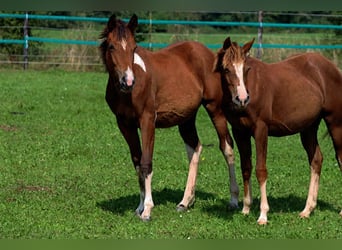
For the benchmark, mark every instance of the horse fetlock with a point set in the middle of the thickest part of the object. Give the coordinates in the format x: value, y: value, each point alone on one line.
x: 245, y: 210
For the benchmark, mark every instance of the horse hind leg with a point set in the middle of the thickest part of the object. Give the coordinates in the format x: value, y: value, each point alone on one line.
x: 194, y: 148
x: 310, y: 144
x: 335, y: 131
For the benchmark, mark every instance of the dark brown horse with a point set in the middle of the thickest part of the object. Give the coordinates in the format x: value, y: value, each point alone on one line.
x: 279, y: 99
x: 148, y: 90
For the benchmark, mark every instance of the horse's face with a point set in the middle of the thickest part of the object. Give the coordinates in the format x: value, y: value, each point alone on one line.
x: 118, y: 50
x: 230, y: 62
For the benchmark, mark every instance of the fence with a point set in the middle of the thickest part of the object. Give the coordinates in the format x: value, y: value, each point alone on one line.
x: 88, y: 43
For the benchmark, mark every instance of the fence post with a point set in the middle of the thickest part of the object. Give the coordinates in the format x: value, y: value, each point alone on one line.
x: 26, y: 24
x: 260, y: 30
x: 150, y: 31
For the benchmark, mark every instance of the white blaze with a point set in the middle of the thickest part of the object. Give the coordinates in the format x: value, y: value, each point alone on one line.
x: 241, y: 88
x: 129, y: 76
x: 124, y: 44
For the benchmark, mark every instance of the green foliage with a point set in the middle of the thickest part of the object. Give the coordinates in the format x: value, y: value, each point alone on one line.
x: 65, y: 173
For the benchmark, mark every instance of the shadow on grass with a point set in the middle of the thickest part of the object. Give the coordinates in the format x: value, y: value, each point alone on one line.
x: 130, y: 202
x: 220, y: 209
x: 285, y: 204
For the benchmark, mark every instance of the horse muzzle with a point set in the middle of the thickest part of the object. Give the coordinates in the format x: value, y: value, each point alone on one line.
x: 241, y: 102
x: 126, y: 85
x: 127, y: 80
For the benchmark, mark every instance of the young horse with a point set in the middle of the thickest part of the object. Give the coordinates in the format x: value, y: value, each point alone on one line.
x: 279, y: 99
x: 148, y: 90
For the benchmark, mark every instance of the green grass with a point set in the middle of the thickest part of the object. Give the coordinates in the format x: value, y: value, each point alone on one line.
x: 65, y: 173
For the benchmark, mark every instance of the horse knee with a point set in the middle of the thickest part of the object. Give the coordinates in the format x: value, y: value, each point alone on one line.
x: 144, y: 170
x: 261, y: 175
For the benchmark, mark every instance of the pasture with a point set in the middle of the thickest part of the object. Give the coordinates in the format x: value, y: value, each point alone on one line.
x: 66, y: 173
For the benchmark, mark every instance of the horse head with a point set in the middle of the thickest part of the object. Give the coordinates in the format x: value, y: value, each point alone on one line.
x: 117, y: 50
x: 230, y: 62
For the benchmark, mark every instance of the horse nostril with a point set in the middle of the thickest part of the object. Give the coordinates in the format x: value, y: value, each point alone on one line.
x: 247, y: 99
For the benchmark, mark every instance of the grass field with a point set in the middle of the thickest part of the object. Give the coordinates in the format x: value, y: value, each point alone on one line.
x: 65, y: 173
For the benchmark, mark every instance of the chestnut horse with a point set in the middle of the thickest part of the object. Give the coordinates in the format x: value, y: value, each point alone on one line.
x: 148, y: 90
x: 279, y: 99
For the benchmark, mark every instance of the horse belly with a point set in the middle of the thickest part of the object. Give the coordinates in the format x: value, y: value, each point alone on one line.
x: 171, y: 118
x: 293, y: 124
x: 177, y: 108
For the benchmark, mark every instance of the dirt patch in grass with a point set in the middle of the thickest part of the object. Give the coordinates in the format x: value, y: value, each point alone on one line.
x: 8, y: 128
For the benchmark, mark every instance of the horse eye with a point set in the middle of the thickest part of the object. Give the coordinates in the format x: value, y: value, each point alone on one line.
x: 226, y: 70
x: 111, y: 47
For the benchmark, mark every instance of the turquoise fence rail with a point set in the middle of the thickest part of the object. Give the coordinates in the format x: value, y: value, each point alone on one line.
x: 170, y: 22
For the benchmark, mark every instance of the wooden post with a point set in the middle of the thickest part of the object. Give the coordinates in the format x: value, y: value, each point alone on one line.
x: 150, y: 31
x: 26, y: 42
x: 260, y: 30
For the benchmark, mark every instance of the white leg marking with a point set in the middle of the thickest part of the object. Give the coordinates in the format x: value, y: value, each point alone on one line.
x: 148, y: 202
x: 312, y: 195
x: 139, y: 61
x: 241, y: 89
x: 263, y: 205
x: 189, y: 192
x: 247, y: 199
x: 234, y: 188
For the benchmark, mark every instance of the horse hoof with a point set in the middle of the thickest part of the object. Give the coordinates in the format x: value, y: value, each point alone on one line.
x: 232, y: 206
x: 304, y: 215
x: 262, y: 222
x: 146, y: 219
x: 181, y: 208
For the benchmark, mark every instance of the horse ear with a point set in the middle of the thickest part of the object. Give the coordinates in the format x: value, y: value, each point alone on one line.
x: 227, y: 43
x: 247, y: 46
x: 111, y: 22
x: 133, y: 23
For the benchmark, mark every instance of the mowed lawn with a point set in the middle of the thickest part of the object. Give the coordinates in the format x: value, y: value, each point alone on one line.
x: 65, y: 173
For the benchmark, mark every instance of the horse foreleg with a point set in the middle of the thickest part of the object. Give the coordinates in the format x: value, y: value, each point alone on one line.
x: 243, y: 142
x: 146, y: 201
x: 261, y: 134
x: 145, y: 170
x: 130, y: 133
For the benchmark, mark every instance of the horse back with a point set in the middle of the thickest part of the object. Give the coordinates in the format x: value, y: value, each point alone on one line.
x: 280, y: 91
